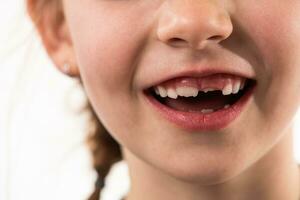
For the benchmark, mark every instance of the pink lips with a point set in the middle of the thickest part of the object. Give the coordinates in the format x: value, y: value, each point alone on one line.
x: 194, y: 121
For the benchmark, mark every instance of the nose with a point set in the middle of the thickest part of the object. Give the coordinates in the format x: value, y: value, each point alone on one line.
x: 193, y: 23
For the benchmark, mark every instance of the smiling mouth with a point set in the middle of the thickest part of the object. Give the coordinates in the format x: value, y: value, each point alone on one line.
x: 204, y: 102
x: 205, y: 110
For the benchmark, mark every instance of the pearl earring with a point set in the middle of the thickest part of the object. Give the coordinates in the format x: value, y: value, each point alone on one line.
x: 66, y: 68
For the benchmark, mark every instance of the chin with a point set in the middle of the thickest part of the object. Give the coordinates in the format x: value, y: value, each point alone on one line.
x: 205, y: 172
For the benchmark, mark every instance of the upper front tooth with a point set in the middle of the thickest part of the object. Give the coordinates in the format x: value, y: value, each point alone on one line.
x: 208, y: 90
x: 156, y: 90
x: 236, y: 87
x: 162, y: 91
x: 242, y: 84
x: 227, y: 89
x: 172, y: 93
x: 187, y: 91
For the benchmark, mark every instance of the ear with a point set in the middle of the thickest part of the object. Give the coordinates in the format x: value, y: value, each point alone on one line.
x: 48, y: 18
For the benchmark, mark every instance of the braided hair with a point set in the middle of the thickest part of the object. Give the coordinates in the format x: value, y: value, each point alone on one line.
x: 105, y: 150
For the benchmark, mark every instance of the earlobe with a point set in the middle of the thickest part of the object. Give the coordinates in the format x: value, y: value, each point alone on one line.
x: 62, y: 54
x: 48, y: 18
x: 70, y: 70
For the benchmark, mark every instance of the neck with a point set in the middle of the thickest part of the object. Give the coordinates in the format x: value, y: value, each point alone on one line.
x: 274, y: 177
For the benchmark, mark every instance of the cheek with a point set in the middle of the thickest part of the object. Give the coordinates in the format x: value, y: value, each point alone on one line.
x: 107, y: 48
x: 106, y: 40
x: 274, y: 29
x: 104, y: 57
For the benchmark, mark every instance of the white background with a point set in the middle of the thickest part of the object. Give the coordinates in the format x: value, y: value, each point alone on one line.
x: 42, y: 149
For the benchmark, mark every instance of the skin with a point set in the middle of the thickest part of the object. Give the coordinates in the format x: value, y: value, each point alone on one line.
x: 118, y: 47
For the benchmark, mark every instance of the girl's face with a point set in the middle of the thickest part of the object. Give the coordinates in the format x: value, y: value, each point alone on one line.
x: 124, y: 47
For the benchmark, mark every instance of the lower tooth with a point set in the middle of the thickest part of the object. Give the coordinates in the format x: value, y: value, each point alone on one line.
x: 204, y: 111
x: 226, y: 106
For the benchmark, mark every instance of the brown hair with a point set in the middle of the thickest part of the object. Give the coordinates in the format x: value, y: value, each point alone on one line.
x: 105, y: 150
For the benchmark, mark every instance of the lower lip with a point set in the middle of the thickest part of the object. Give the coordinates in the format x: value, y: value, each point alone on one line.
x: 196, y: 121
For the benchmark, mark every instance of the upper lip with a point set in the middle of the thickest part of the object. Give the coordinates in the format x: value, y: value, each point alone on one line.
x: 201, y: 71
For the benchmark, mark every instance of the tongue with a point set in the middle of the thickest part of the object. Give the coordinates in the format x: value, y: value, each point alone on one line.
x: 210, y: 100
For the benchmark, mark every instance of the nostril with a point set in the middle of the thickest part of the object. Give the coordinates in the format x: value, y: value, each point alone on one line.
x: 216, y: 38
x: 175, y: 39
x: 177, y: 42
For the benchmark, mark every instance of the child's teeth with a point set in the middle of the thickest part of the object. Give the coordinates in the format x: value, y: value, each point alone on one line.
x: 156, y: 90
x: 184, y: 91
x: 208, y: 90
x: 172, y: 93
x: 226, y: 106
x: 205, y: 111
x: 162, y: 91
x: 242, y: 84
x: 227, y: 89
x: 236, y: 87
x: 187, y: 91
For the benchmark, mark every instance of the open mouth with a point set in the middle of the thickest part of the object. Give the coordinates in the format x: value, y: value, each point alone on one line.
x: 203, y: 109
x: 204, y: 102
